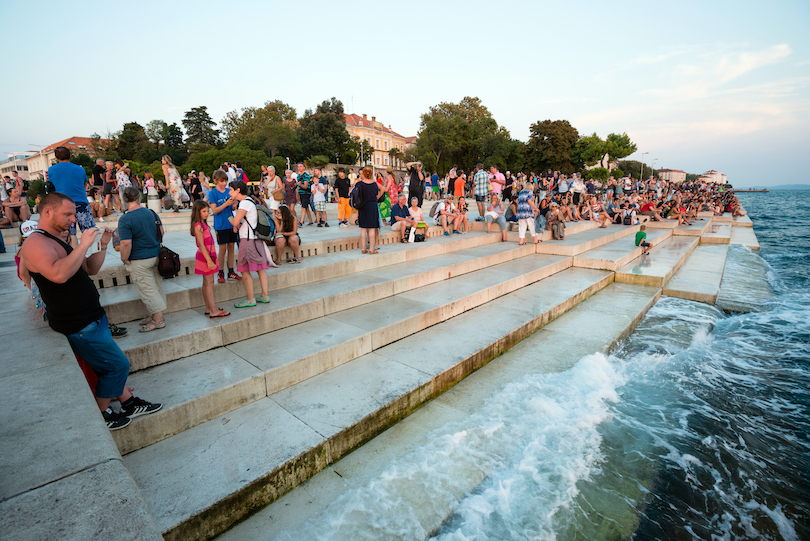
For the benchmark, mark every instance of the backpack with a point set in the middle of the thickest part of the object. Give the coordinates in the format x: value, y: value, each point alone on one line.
x: 433, y: 209
x: 356, y: 197
x: 265, y: 226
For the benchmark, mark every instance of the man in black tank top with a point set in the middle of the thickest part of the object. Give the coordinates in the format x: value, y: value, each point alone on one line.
x: 72, y: 300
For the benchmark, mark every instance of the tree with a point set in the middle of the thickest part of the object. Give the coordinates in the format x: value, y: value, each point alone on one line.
x: 464, y: 134
x: 590, y: 150
x: 210, y: 160
x: 155, y: 131
x: 131, y: 140
x: 85, y: 161
x: 633, y: 167
x: 323, y: 131
x: 201, y: 132
x: 618, y: 146
x: 252, y: 123
x: 552, y: 145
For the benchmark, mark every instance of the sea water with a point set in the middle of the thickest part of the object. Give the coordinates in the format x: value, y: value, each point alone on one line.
x: 696, y: 427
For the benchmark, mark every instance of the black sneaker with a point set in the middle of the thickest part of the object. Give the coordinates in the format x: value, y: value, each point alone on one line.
x: 320, y: 224
x: 115, y: 420
x: 116, y: 331
x: 138, y: 407
x: 326, y: 224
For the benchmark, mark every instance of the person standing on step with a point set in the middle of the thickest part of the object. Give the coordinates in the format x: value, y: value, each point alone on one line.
x: 343, y: 185
x: 141, y: 232
x: 303, y: 181
x: 526, y: 212
x: 369, y: 215
x: 252, y: 251
x: 222, y: 206
x: 319, y: 188
x: 417, y: 181
x: 205, y: 262
x: 480, y: 190
x: 173, y: 182
x: 70, y: 179
x: 62, y: 276
x: 497, y: 180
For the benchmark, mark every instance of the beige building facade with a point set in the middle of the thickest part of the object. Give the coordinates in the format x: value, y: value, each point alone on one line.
x: 382, y: 139
x: 16, y: 161
x: 672, y: 175
x: 41, y: 160
x: 714, y: 176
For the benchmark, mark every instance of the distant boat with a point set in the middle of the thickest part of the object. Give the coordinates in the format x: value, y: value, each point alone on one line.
x: 752, y: 190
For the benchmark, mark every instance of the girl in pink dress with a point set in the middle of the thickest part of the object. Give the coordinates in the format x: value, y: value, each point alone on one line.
x: 206, y: 260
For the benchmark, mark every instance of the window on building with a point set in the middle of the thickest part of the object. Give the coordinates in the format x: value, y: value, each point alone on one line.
x: 386, y: 146
x: 378, y: 160
x: 377, y: 144
x: 385, y: 160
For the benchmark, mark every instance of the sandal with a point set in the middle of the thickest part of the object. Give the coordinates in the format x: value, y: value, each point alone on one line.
x: 374, y: 252
x: 152, y: 326
x: 145, y: 321
x: 221, y: 313
x: 207, y: 313
x: 246, y: 303
x: 363, y: 251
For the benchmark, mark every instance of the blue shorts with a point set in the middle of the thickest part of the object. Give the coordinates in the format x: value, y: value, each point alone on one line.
x: 480, y: 198
x: 96, y: 346
x: 84, y: 217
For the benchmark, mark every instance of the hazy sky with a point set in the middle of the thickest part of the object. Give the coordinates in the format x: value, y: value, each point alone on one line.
x: 703, y: 85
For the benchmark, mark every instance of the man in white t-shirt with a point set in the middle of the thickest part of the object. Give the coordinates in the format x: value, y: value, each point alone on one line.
x: 447, y: 216
x: 231, y: 172
x: 319, y: 187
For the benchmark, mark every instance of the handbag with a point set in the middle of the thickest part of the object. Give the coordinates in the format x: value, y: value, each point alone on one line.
x: 278, y: 195
x: 168, y: 263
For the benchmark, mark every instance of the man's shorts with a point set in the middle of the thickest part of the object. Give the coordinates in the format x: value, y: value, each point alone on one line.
x: 320, y: 206
x: 305, y: 197
x: 435, y: 189
x: 397, y: 225
x: 84, y: 217
x: 109, y: 188
x: 480, y: 198
x: 226, y: 236
x: 96, y: 346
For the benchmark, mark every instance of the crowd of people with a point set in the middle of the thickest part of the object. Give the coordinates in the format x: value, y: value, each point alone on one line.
x: 55, y: 266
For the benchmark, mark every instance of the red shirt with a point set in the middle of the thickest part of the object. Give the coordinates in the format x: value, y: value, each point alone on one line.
x: 647, y: 207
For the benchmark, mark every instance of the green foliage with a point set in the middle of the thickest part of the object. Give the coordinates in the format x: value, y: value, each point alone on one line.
x: 323, y: 132
x: 598, y: 173
x: 552, y: 145
x: 155, y: 131
x: 279, y: 163
x: 270, y: 128
x: 464, y: 134
x: 131, y: 140
x: 211, y: 160
x: 316, y: 161
x: 590, y: 150
x: 36, y: 188
x: 617, y: 173
x: 156, y: 168
x: 85, y: 161
x: 633, y: 167
x: 201, y: 132
x: 618, y: 146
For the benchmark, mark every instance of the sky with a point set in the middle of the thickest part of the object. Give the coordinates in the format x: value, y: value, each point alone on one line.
x: 715, y: 84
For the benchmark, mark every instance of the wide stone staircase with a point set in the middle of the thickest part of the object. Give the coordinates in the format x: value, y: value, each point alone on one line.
x: 259, y: 402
